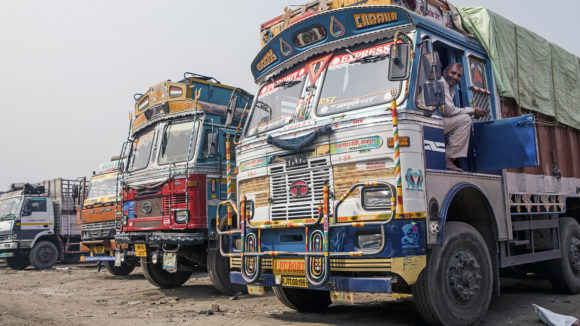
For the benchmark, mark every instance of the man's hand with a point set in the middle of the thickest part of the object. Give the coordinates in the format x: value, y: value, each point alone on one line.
x: 479, y: 112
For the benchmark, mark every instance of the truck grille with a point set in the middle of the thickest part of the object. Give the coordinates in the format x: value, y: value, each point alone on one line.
x: 286, y: 206
x: 4, y: 236
x: 175, y: 200
x: 98, y: 230
x: 150, y: 207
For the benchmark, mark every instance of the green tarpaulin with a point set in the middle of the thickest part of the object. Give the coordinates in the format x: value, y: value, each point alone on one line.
x: 539, y: 75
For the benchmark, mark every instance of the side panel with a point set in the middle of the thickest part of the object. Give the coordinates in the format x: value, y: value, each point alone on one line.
x: 505, y: 143
x: 440, y: 184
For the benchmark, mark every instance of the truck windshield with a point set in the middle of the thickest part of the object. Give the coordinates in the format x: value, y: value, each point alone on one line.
x: 100, y: 187
x: 141, y: 151
x: 356, y: 79
x: 9, y: 207
x: 174, y: 147
x: 276, y: 102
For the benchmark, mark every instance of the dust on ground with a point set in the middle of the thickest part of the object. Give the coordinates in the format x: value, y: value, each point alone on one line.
x: 79, y: 295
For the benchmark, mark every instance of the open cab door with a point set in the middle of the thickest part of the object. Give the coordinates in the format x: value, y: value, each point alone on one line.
x: 505, y: 143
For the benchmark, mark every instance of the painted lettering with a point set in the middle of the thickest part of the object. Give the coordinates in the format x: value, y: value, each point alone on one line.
x: 267, y: 60
x: 366, y: 20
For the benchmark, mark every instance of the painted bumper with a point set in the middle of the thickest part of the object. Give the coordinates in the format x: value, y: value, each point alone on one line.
x: 341, y: 284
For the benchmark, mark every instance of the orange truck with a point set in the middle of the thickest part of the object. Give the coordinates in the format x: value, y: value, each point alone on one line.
x: 97, y: 218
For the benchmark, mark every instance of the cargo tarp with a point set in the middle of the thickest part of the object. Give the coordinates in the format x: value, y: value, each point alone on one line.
x: 539, y: 75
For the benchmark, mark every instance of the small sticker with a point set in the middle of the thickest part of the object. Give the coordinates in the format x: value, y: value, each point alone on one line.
x: 414, y: 180
x: 410, y: 237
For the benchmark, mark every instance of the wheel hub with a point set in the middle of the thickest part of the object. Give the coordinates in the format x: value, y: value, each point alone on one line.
x: 45, y: 255
x: 463, y: 276
x: 574, y: 253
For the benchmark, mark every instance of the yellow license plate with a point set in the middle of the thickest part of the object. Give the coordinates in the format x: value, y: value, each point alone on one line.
x: 288, y: 266
x: 140, y: 250
x: 99, y: 249
x: 298, y: 282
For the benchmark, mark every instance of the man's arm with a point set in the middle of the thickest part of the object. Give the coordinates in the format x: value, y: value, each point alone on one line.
x: 450, y: 109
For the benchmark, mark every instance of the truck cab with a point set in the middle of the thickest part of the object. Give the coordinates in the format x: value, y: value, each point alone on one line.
x: 37, y: 224
x: 342, y: 181
x: 98, y: 218
x: 177, y: 174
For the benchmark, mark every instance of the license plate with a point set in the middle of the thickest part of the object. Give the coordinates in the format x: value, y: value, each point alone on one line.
x: 256, y: 290
x: 344, y: 297
x: 170, y: 262
x: 99, y: 249
x: 298, y: 282
x: 118, y: 259
x: 140, y: 250
x: 288, y: 266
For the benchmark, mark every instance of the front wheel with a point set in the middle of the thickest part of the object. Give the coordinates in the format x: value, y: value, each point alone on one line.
x: 123, y: 270
x: 303, y: 300
x: 159, y: 277
x: 218, y: 268
x: 44, y: 255
x: 17, y: 262
x: 565, y: 273
x: 456, y: 286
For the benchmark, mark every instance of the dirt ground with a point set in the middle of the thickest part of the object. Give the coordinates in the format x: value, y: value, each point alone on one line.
x: 79, y: 295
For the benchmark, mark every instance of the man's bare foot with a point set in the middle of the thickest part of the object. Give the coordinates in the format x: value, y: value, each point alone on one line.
x: 451, y: 166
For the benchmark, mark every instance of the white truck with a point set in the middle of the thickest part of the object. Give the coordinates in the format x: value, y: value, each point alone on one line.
x: 38, y: 223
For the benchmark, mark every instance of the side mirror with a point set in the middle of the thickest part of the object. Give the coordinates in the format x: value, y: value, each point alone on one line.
x: 25, y: 210
x: 212, y: 144
x: 400, y: 56
x: 434, y: 93
x: 231, y: 110
x: 431, y: 66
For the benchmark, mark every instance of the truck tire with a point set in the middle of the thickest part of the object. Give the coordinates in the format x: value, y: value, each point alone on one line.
x: 44, y: 255
x: 303, y: 300
x: 123, y: 270
x: 565, y: 273
x: 456, y: 286
x: 17, y: 262
x: 218, y: 268
x: 155, y: 274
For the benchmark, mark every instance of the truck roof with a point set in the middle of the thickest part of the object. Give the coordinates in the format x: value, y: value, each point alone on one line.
x: 194, y: 94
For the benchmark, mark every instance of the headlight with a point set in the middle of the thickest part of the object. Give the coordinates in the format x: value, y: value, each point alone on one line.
x: 181, y: 217
x: 369, y: 241
x: 14, y: 236
x: 124, y: 220
x: 249, y: 209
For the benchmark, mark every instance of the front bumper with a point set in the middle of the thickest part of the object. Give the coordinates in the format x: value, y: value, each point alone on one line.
x: 176, y: 238
x: 335, y: 283
x: 8, y: 245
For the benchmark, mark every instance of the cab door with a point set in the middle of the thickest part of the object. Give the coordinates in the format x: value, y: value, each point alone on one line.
x: 35, y: 217
x: 505, y: 143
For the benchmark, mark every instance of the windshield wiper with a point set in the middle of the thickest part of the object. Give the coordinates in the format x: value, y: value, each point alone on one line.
x: 287, y: 83
x: 371, y: 58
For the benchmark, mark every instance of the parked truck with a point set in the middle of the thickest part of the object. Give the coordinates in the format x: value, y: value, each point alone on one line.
x: 342, y: 179
x: 97, y: 218
x: 176, y: 177
x: 38, y: 223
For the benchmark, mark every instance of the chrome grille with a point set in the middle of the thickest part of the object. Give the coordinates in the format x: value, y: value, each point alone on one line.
x: 285, y: 206
x: 98, y: 226
x: 4, y: 236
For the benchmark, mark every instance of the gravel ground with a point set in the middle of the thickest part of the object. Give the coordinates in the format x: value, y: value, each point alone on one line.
x: 79, y: 295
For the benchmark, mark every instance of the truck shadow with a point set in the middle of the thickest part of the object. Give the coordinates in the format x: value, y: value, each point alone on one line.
x: 383, y: 313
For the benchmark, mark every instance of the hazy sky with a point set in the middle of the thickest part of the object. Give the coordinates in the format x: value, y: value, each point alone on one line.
x: 69, y: 69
